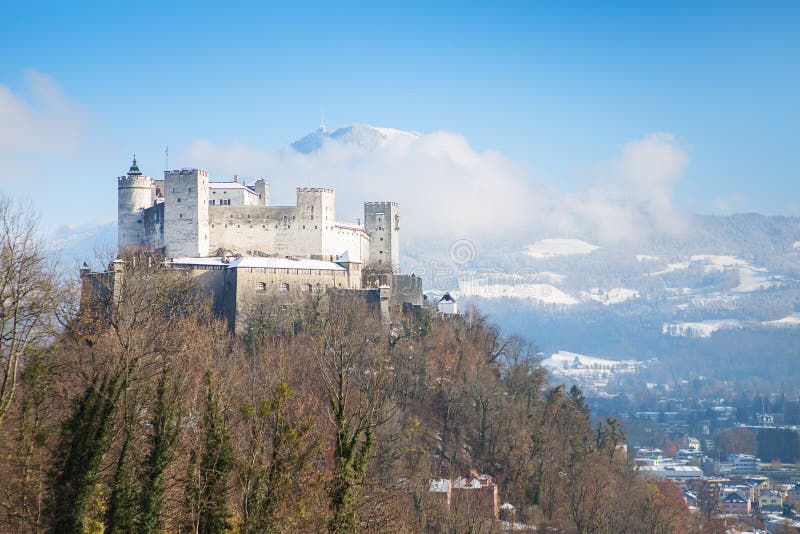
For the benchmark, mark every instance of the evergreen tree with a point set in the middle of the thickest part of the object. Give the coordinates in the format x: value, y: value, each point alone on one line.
x: 83, y: 442
x: 164, y: 434
x: 209, y: 469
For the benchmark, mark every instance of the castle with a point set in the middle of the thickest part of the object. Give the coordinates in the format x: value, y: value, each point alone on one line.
x: 187, y: 215
x: 238, y: 247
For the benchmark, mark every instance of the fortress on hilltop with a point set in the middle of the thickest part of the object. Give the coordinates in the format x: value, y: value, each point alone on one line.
x: 228, y: 237
x: 187, y: 215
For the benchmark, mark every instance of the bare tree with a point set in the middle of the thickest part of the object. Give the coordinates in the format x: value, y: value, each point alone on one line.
x: 357, y: 378
x: 27, y: 294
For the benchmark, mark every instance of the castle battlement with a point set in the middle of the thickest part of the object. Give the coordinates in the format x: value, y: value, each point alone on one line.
x: 187, y: 171
x: 387, y: 203
x: 314, y: 190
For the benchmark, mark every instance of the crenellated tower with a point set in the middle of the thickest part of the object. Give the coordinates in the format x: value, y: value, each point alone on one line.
x: 133, y: 197
x: 382, y: 223
x: 186, y: 227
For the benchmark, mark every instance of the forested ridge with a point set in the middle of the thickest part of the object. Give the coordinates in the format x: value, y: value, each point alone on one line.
x: 155, y: 418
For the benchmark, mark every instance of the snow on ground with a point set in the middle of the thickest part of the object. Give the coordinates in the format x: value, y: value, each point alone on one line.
x: 644, y: 257
x: 564, y: 360
x: 796, y: 245
x: 611, y: 296
x: 789, y: 320
x: 672, y: 267
x: 590, y: 373
x: 699, y: 328
x: 714, y: 262
x: 488, y: 288
x: 751, y: 278
x: 553, y: 248
x: 755, y: 279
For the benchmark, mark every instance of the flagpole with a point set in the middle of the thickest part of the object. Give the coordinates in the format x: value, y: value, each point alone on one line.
x: 166, y: 158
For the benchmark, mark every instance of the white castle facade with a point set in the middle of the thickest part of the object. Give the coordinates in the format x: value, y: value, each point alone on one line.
x: 228, y: 237
x: 187, y: 215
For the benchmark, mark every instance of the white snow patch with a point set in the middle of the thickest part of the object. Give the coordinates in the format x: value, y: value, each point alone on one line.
x: 492, y: 288
x: 796, y: 245
x: 671, y: 268
x: 553, y: 248
x: 564, y: 360
x: 644, y: 257
x: 611, y: 296
x: 715, y: 263
x: 789, y: 320
x: 699, y: 328
x: 755, y: 279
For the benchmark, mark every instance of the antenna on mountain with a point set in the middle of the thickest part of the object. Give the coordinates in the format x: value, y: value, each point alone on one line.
x: 322, y: 118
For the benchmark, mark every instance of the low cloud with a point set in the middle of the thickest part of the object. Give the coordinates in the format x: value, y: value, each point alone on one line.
x: 448, y: 189
x: 36, y: 123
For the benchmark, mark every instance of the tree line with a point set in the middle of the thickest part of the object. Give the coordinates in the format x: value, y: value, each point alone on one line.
x: 149, y: 415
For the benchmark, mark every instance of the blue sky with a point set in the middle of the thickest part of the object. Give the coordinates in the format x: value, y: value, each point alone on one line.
x: 558, y: 87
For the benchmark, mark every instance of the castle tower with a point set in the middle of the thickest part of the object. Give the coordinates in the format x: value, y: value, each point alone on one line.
x: 262, y: 190
x: 316, y: 218
x: 382, y: 223
x: 186, y: 226
x: 133, y: 197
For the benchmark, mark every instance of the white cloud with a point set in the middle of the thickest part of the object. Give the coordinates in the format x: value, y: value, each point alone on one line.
x: 40, y: 122
x: 446, y: 188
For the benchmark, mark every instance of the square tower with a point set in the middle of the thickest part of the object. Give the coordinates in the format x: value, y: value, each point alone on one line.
x: 382, y: 223
x: 186, y: 213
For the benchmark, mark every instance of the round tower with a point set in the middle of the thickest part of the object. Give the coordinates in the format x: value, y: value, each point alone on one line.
x: 133, y: 197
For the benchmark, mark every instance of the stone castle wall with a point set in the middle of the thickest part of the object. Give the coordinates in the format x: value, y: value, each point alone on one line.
x: 176, y: 214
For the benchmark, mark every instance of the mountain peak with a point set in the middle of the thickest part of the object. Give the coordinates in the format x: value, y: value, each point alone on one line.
x: 365, y: 136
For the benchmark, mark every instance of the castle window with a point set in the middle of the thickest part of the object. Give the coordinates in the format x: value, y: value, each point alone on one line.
x: 180, y: 215
x: 381, y: 239
x: 304, y: 227
x: 190, y: 189
x: 307, y: 288
x: 262, y: 286
x: 284, y: 287
x: 315, y: 227
x: 237, y: 226
x: 179, y: 200
x: 211, y: 202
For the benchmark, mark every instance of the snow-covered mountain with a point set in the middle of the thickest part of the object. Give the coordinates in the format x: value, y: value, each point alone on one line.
x: 362, y: 136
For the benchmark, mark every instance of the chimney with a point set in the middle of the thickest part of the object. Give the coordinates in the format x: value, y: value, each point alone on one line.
x: 236, y: 178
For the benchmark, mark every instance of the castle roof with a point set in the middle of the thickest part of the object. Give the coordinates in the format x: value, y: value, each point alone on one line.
x: 447, y: 298
x: 134, y: 170
x: 228, y: 185
x: 251, y: 262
